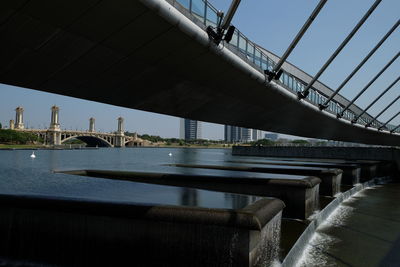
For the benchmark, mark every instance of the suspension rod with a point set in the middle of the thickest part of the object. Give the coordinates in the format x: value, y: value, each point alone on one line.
x: 376, y: 99
x: 394, y: 129
x: 298, y: 37
x: 304, y: 93
x: 339, y: 115
x: 395, y: 115
x: 383, y: 110
x: 229, y: 16
x: 325, y: 105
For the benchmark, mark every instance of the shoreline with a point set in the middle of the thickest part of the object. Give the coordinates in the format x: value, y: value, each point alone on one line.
x: 85, y: 148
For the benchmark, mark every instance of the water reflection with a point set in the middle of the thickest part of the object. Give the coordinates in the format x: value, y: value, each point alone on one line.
x: 53, y: 161
x: 187, y: 155
x: 189, y: 197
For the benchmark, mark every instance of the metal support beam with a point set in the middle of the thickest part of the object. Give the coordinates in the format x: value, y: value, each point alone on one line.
x: 339, y: 115
x: 386, y: 123
x: 326, y: 104
x: 305, y: 92
x: 273, y: 74
x: 383, y: 110
x: 376, y: 99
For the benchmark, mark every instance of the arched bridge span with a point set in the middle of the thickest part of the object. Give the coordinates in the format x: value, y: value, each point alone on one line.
x: 91, y: 141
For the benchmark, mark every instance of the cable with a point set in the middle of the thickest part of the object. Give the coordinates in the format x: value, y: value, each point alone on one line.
x: 376, y: 99
x: 339, y: 115
x: 397, y: 114
x: 305, y: 92
x: 273, y: 74
x: 325, y: 105
x: 380, y: 113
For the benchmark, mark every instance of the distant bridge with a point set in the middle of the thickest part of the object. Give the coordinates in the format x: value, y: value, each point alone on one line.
x: 54, y: 135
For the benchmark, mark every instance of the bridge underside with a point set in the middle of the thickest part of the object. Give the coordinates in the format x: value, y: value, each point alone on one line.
x: 124, y: 53
x: 91, y: 141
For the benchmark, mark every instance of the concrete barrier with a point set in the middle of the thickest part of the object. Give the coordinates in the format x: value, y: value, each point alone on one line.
x: 350, y: 176
x: 301, y: 196
x: 342, y: 153
x: 330, y: 178
x: 391, y: 154
x: 41, y: 231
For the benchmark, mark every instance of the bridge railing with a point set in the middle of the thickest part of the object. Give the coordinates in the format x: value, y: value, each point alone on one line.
x: 205, y: 13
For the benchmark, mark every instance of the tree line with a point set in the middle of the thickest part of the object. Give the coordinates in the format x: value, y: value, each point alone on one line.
x: 16, y: 137
x: 156, y: 139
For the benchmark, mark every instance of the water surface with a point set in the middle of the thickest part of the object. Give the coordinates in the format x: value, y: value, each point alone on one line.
x: 21, y: 175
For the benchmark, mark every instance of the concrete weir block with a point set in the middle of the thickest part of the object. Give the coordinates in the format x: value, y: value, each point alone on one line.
x: 369, y: 170
x: 70, y: 232
x: 301, y: 196
x: 350, y: 176
x: 330, y: 178
x: 358, y: 155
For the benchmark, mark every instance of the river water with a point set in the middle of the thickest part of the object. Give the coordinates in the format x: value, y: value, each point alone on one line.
x: 21, y: 175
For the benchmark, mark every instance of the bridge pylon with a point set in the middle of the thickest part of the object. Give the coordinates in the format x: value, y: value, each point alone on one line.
x: 19, y: 118
x: 91, y: 125
x: 120, y: 136
x: 54, y: 132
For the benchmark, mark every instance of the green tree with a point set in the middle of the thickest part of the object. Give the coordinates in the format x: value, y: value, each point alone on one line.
x: 11, y: 136
x: 300, y: 142
x: 263, y: 142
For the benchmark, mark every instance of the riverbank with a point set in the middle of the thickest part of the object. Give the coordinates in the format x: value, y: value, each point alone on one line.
x: 14, y: 146
x: 37, y: 147
x: 41, y: 147
x: 192, y: 146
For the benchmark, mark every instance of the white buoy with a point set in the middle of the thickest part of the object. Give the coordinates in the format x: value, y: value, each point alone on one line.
x: 33, y: 155
x: 170, y: 154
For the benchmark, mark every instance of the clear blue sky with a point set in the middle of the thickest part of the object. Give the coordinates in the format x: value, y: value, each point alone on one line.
x: 271, y: 24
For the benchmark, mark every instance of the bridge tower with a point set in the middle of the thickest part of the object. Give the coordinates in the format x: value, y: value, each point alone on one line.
x: 12, y: 124
x: 91, y: 125
x: 54, y: 132
x: 120, y: 136
x: 19, y: 118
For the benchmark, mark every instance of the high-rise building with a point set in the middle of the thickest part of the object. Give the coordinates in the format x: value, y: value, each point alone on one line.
x: 234, y: 134
x: 190, y: 129
x: 256, y: 135
x: 271, y: 136
x: 247, y: 135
